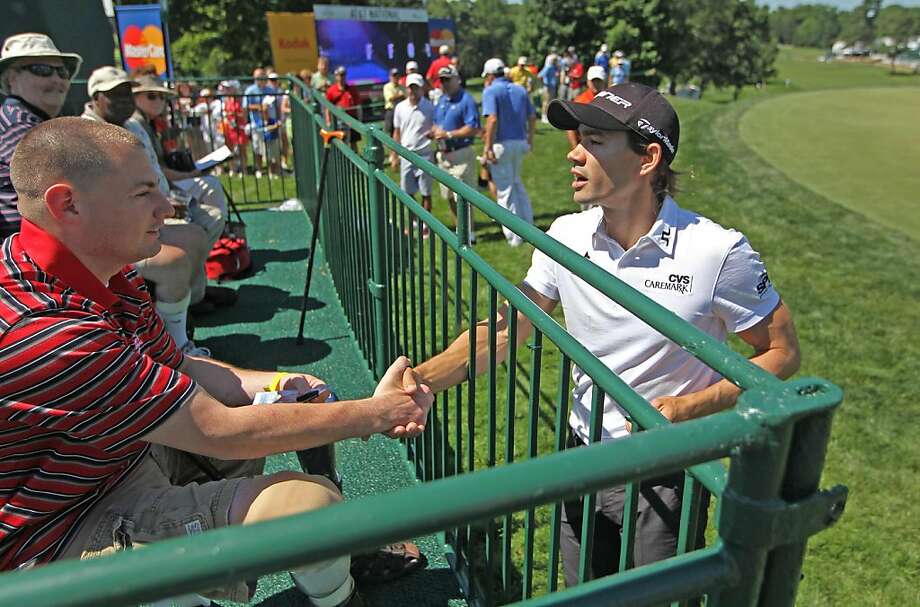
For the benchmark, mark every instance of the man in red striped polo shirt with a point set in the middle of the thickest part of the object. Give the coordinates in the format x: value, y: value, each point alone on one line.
x: 92, y: 386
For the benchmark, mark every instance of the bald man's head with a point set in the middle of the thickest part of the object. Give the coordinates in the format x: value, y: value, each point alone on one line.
x: 71, y: 150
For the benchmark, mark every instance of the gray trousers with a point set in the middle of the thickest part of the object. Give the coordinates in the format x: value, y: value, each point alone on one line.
x: 657, y: 526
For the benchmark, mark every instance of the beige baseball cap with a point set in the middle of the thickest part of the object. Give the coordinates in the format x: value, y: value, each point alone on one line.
x: 106, y: 78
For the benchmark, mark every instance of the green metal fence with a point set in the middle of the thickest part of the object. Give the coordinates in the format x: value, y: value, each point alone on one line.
x: 493, y: 477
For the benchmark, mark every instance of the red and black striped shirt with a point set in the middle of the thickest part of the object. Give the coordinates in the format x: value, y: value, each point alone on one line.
x: 86, y: 369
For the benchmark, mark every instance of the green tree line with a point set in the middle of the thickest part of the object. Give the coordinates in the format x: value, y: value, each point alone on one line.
x: 723, y: 43
x: 819, y: 25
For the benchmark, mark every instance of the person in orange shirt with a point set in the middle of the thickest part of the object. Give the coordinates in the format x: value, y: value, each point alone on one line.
x: 597, y: 81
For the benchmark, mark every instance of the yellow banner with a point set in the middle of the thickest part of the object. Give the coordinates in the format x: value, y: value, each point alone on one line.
x: 293, y: 40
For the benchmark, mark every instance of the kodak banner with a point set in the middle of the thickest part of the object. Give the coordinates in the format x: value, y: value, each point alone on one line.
x: 293, y: 40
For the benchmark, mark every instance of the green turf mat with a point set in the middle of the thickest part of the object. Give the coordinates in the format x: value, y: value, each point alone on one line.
x: 259, y: 332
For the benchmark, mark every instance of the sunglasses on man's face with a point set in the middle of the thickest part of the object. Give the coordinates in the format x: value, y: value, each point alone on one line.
x: 156, y: 97
x: 43, y: 70
x: 446, y: 78
x: 119, y: 92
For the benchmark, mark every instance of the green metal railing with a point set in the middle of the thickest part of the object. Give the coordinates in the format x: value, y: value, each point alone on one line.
x: 493, y: 473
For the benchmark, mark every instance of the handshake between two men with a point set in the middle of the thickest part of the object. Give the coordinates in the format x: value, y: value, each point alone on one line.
x: 401, y: 401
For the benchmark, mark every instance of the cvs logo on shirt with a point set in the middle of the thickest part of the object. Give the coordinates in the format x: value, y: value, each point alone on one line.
x: 676, y: 283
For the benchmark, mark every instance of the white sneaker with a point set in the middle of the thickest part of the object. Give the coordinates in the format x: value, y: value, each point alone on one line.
x: 258, y: 174
x: 192, y: 350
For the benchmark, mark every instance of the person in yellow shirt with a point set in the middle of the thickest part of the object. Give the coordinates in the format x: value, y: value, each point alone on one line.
x: 519, y: 74
x: 393, y: 93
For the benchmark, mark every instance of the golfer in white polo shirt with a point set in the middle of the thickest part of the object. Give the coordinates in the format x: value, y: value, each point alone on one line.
x: 413, y: 119
x: 706, y: 274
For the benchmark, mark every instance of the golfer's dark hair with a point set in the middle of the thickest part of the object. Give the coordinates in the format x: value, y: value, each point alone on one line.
x: 74, y: 150
x: 664, y: 180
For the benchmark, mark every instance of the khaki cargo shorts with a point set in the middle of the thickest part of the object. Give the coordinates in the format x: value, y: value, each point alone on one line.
x: 460, y: 164
x: 149, y: 506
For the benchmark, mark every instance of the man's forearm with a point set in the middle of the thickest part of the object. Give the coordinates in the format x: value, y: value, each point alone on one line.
x: 724, y: 394
x: 464, y: 131
x: 452, y: 366
x: 230, y: 385
x: 491, y: 127
x: 206, y: 427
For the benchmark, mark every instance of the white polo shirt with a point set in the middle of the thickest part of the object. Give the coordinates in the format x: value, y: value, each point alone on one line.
x: 414, y: 122
x: 706, y: 274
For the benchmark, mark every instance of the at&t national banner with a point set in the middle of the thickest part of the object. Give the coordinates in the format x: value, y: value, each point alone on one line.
x: 140, y: 34
x: 293, y: 41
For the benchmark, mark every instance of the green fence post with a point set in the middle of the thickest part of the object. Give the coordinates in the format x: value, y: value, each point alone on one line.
x: 771, y: 504
x: 756, y: 475
x: 377, y: 285
x: 803, y: 474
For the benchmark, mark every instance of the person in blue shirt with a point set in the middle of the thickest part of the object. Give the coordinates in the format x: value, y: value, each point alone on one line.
x: 621, y: 66
x: 510, y: 120
x: 262, y: 101
x: 602, y: 58
x: 456, y: 124
x: 550, y: 77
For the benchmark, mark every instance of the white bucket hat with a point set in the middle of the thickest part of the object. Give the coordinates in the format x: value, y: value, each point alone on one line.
x: 36, y: 46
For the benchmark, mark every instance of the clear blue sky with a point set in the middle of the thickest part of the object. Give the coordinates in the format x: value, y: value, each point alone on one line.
x: 841, y: 4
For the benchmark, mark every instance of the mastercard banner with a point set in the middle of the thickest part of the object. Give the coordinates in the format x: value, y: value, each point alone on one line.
x: 442, y: 31
x: 142, y: 39
x: 293, y: 41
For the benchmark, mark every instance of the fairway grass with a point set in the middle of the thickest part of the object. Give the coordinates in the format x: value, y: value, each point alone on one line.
x: 857, y: 147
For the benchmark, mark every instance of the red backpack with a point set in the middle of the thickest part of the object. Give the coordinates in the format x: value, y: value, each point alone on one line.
x: 229, y: 258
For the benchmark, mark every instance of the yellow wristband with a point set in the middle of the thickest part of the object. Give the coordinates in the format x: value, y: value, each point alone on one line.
x: 276, y: 382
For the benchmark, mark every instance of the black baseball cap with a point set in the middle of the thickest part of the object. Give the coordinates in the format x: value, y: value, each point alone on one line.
x: 629, y: 106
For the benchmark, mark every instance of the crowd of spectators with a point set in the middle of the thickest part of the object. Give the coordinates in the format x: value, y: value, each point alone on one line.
x: 509, y: 111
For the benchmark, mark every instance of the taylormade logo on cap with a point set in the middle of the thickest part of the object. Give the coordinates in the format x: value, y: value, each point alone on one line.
x: 645, y: 125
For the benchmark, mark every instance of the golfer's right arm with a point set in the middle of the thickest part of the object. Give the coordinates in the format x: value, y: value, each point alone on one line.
x: 452, y: 366
x: 206, y: 426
